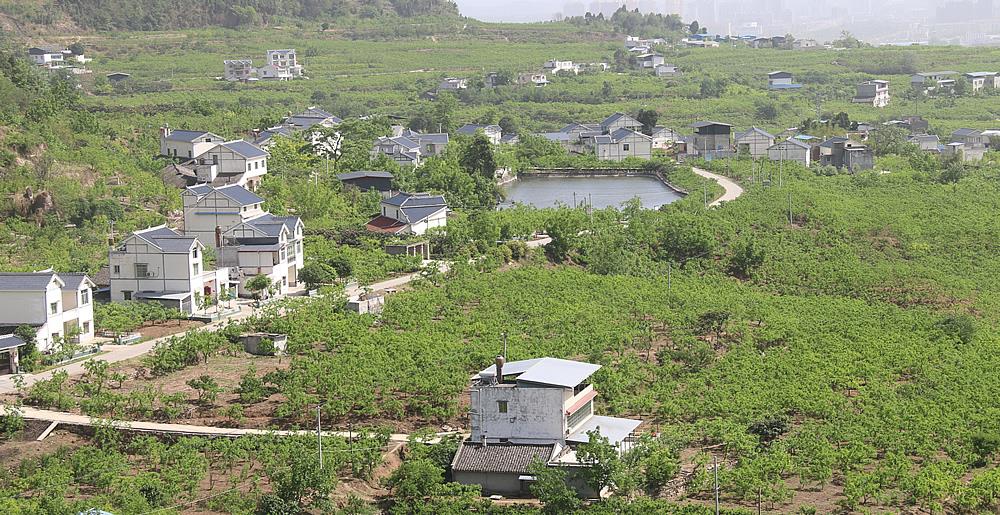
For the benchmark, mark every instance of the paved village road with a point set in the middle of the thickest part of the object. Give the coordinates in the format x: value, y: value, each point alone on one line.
x: 733, y: 190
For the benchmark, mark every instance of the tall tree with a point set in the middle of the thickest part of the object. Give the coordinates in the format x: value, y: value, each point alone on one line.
x: 648, y: 118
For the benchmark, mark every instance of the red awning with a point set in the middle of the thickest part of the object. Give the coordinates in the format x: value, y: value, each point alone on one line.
x: 385, y: 224
x: 582, y: 402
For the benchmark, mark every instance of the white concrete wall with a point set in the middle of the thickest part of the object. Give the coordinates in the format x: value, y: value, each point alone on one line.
x: 185, y: 149
x: 534, y: 415
x: 637, y: 147
x: 171, y: 272
x: 789, y: 152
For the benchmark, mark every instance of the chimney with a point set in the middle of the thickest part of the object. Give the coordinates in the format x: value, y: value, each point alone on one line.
x: 499, y: 363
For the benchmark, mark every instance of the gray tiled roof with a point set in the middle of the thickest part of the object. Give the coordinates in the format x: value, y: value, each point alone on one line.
x: 269, y: 220
x: 623, y: 133
x: 471, y: 129
x: 189, y: 136
x: 364, y: 173
x: 967, y: 132
x: 25, y: 281
x: 74, y: 281
x: 499, y: 458
x: 619, y: 116
x: 416, y: 200
x: 418, y: 214
x: 556, y: 136
x: 167, y: 239
x: 239, y: 194
x: 10, y: 341
x: 245, y: 149
x: 439, y: 138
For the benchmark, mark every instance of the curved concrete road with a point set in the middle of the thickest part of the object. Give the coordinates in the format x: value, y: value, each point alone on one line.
x: 733, y: 190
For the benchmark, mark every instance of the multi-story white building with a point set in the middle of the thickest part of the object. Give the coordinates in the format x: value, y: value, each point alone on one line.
x: 59, y: 306
x: 873, y: 92
x: 266, y: 245
x: 209, y: 211
x: 238, y: 69
x: 536, y: 409
x: 186, y: 144
x: 556, y: 66
x: 233, y: 162
x: 161, y: 265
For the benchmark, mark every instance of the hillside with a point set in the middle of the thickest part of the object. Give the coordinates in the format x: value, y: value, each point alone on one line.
x: 104, y: 15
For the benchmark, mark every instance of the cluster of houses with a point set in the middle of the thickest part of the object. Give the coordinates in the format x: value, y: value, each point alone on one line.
x: 59, y: 58
x: 968, y: 145
x: 280, y: 65
x: 616, y: 138
x: 932, y: 83
x: 648, y: 59
x: 840, y: 152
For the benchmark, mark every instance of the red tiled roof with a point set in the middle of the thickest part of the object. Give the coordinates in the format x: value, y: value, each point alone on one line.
x: 384, y: 224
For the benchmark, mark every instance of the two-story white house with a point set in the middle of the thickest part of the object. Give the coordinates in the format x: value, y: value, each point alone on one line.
x: 410, y: 213
x: 234, y: 162
x: 754, y: 142
x: 284, y: 61
x: 409, y: 147
x: 453, y: 84
x: 522, y: 411
x: 873, y: 92
x: 266, y: 245
x: 209, y: 211
x: 186, y: 145
x: 492, y: 132
x: 59, y: 306
x: 47, y: 56
x: 161, y: 265
x: 238, y: 69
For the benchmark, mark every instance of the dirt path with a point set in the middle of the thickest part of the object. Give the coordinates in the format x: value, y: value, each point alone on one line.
x: 733, y: 190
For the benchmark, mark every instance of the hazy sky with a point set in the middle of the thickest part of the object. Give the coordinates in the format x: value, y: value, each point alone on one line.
x: 509, y: 10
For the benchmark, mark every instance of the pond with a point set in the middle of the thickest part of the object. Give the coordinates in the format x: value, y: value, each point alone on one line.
x: 542, y: 192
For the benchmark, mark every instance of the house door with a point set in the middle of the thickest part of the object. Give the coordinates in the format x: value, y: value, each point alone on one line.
x: 6, y: 368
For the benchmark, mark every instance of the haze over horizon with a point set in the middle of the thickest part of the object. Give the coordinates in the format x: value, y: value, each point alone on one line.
x: 967, y: 22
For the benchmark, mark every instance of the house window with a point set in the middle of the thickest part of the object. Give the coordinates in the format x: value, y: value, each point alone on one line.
x: 215, y: 159
x: 249, y: 167
x: 141, y: 269
x: 625, y: 147
x: 197, y: 269
x: 284, y: 281
x: 189, y: 154
x: 85, y: 329
x: 126, y: 294
x: 194, y: 253
x: 256, y: 165
x: 502, y: 406
x: 117, y: 269
x: 84, y: 297
x: 54, y: 307
x: 580, y: 415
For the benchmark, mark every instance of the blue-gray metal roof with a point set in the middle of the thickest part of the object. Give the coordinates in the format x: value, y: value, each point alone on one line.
x: 74, y: 281
x: 439, y: 138
x: 188, y: 136
x: 555, y: 372
x: 967, y: 132
x: 471, y: 129
x: 272, y: 224
x: 167, y: 239
x: 612, y: 428
x: 25, y: 281
x: 556, y: 136
x: 417, y: 214
x: 415, y: 200
x: 245, y: 149
x: 514, y: 367
x: 10, y: 341
x: 623, y: 133
x: 239, y: 194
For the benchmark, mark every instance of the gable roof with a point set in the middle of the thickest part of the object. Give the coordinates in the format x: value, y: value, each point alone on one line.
x: 268, y: 134
x: 471, y: 129
x: 623, y: 133
x: 234, y: 192
x: 167, y: 239
x: 620, y: 117
x: 967, y: 132
x: 245, y: 149
x: 754, y: 130
x: 793, y: 141
x: 273, y: 224
x: 416, y: 207
x: 699, y: 125
x: 10, y: 341
x: 76, y: 281
x: 28, y: 281
x: 505, y: 458
x: 830, y: 142
x: 189, y: 136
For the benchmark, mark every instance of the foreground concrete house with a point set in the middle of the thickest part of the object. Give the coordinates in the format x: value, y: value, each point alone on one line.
x: 59, y: 306
x: 410, y: 213
x: 161, y: 265
x: 753, y: 142
x: 712, y: 139
x: 536, y: 410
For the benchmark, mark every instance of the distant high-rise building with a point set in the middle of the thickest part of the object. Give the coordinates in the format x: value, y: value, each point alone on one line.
x: 674, y: 7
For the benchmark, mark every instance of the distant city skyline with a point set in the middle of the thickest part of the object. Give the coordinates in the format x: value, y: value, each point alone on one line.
x: 883, y: 22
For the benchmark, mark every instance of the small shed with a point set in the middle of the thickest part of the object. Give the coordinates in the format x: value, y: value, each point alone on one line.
x: 252, y: 343
x: 115, y: 78
x: 370, y: 303
x: 366, y: 180
x: 9, y: 345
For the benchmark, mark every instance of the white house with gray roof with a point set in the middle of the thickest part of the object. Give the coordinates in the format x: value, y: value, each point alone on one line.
x: 536, y: 409
x: 622, y: 144
x: 492, y: 132
x: 753, y: 142
x: 266, y: 245
x: 791, y: 150
x: 409, y: 147
x: 211, y: 211
x: 58, y: 306
x: 410, y: 213
x: 235, y: 162
x: 162, y: 265
x: 182, y: 144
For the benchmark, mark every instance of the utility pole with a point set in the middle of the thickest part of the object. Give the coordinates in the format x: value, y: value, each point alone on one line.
x: 789, y: 208
x: 705, y: 189
x: 715, y: 462
x: 319, y: 435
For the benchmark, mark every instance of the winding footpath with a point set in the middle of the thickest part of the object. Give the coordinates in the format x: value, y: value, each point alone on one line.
x: 733, y: 190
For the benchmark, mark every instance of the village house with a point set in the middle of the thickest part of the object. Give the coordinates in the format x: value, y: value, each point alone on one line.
x: 210, y: 211
x: 926, y: 142
x: 712, y: 139
x: 409, y: 147
x: 967, y: 153
x: 184, y: 145
x: 312, y: 117
x: 234, y: 162
x: 368, y: 180
x: 754, y: 142
x: 266, y: 245
x: 873, y: 92
x: 844, y: 153
x: 453, y: 84
x: 666, y: 71
x: 620, y: 121
x: 238, y: 70
x: 933, y: 82
x: 48, y: 56
x: 536, y: 410
x: 650, y: 60
x: 982, y: 80
x: 537, y: 80
x: 791, y: 150
x: 781, y: 80
x: 58, y: 306
x: 410, y: 213
x: 664, y: 138
x: 265, y: 138
x: 970, y: 137
x: 621, y: 144
x: 556, y: 66
x: 493, y: 133
x: 285, y: 61
x: 161, y: 265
